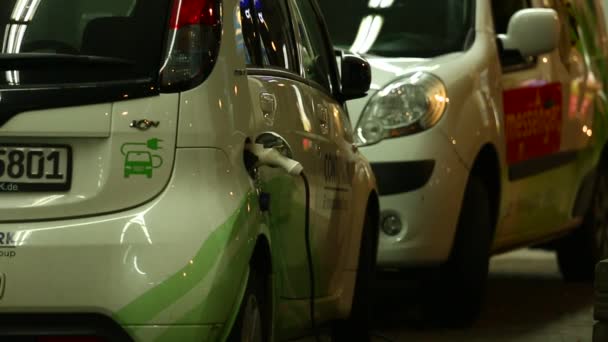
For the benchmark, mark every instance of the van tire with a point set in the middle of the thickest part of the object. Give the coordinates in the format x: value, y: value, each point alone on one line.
x: 458, y: 291
x: 256, y: 303
x: 357, y: 326
x: 579, y: 252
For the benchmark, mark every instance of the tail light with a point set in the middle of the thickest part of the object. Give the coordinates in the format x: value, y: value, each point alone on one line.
x: 193, y: 43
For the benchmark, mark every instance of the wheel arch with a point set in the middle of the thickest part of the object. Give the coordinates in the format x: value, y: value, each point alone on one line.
x: 587, y: 186
x: 261, y: 258
x: 261, y: 262
x: 604, y: 152
x: 373, y: 209
x: 369, y: 205
x: 486, y: 166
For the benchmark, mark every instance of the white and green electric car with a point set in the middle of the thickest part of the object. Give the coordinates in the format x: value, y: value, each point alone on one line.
x: 486, y: 129
x: 179, y: 170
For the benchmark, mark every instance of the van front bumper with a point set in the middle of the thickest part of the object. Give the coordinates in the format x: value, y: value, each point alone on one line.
x: 421, y: 180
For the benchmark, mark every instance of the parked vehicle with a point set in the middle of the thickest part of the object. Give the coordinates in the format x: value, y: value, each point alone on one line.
x: 487, y: 132
x: 179, y: 170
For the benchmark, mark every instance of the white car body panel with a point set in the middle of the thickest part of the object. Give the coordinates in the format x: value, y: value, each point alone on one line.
x: 93, y: 121
x: 119, y: 256
x: 98, y: 164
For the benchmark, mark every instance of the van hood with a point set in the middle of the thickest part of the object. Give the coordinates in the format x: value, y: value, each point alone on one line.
x: 387, y: 70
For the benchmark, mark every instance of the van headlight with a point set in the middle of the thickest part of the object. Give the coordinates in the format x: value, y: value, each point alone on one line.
x: 407, y: 106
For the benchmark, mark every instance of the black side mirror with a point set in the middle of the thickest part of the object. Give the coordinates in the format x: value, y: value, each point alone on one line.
x: 356, y: 76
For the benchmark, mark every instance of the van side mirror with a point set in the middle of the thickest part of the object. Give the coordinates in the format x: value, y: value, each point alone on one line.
x: 532, y: 32
x: 356, y: 76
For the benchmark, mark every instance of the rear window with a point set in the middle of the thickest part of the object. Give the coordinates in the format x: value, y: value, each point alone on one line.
x: 81, y: 41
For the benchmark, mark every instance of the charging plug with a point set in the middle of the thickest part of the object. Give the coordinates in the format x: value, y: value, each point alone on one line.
x: 272, y: 157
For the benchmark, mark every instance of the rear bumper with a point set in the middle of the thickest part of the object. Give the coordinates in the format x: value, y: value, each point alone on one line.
x: 25, y: 327
x: 172, y: 266
x: 28, y: 327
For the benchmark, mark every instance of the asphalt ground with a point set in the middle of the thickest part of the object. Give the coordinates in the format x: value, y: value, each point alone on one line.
x: 527, y: 300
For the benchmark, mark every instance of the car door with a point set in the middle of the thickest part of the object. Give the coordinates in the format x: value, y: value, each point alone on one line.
x: 541, y: 114
x: 284, y: 109
x: 332, y: 219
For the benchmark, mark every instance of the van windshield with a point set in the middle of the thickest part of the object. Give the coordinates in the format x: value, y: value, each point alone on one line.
x: 80, y: 41
x: 400, y: 28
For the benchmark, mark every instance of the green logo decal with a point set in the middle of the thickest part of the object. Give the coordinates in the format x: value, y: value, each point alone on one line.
x: 138, y: 158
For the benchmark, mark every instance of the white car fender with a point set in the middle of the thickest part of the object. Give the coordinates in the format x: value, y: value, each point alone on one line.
x: 364, y: 187
x: 474, y: 113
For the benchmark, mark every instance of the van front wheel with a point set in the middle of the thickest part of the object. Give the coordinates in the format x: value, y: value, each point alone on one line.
x: 457, y: 293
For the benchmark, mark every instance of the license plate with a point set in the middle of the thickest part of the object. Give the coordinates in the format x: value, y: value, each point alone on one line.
x: 35, y: 168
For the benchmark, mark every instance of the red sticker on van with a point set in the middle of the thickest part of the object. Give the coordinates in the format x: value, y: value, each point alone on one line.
x: 533, y: 121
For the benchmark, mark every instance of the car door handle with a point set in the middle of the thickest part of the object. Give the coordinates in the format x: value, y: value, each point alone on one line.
x: 268, y: 105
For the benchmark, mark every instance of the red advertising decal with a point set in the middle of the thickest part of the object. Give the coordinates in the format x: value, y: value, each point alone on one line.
x: 533, y: 121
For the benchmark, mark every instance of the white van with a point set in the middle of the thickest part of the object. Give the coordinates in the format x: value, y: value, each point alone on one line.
x: 179, y: 170
x: 486, y: 130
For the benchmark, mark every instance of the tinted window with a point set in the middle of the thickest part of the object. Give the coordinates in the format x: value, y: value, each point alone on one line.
x: 313, y: 47
x: 276, y: 34
x: 127, y: 34
x: 400, y: 28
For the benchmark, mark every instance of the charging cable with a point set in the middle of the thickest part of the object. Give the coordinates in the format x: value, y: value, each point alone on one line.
x: 258, y: 155
x: 311, y: 271
x: 272, y: 157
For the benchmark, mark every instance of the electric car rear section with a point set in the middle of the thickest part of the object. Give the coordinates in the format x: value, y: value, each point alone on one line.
x: 496, y: 112
x: 163, y: 164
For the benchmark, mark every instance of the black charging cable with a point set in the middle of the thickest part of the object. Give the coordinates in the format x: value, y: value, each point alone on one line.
x: 311, y: 271
x: 257, y: 153
x: 251, y: 159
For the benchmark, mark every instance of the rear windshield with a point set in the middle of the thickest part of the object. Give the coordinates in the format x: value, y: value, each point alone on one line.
x: 400, y: 28
x: 75, y: 41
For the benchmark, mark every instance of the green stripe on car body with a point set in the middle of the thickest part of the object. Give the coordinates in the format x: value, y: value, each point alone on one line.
x: 144, y: 308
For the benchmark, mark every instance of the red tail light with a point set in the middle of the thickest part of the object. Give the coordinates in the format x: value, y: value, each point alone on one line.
x: 193, y: 43
x: 193, y: 12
